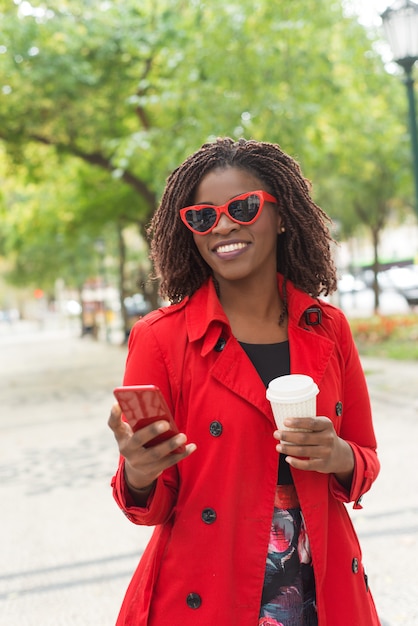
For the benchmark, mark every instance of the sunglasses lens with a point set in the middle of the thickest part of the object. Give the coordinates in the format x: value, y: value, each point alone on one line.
x: 244, y: 210
x: 201, y: 220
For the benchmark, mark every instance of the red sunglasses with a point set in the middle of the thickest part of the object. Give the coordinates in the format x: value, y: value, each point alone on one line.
x: 243, y: 209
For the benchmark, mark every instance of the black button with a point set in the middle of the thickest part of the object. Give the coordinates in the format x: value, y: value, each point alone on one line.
x: 354, y: 566
x: 339, y: 408
x: 209, y: 516
x: 215, y: 428
x: 193, y: 600
x: 220, y: 344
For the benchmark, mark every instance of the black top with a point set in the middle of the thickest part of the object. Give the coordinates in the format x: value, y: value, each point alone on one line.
x: 272, y: 360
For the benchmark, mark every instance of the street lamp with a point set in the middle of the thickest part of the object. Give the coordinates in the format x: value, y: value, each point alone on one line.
x: 400, y: 22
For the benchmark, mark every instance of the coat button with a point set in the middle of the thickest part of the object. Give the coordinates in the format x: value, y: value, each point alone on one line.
x: 193, y: 600
x: 209, y: 516
x: 215, y: 428
x: 339, y: 408
x: 354, y: 566
x: 220, y: 344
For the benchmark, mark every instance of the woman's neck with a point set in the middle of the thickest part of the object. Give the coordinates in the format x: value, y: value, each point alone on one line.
x: 254, y: 311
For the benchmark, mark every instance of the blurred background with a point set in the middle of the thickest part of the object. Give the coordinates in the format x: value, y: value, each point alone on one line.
x: 100, y: 100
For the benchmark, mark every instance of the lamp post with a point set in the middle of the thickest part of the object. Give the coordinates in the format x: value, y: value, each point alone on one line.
x: 400, y: 22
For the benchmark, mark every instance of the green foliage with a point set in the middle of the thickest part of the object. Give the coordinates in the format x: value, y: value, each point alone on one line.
x: 101, y: 100
x: 49, y: 227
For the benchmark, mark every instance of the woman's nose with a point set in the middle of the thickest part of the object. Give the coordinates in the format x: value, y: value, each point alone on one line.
x: 225, y: 224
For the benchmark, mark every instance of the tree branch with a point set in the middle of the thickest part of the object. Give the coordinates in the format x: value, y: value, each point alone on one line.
x: 140, y: 111
x: 98, y: 159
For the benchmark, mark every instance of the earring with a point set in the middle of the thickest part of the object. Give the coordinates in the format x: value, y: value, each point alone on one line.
x: 282, y: 230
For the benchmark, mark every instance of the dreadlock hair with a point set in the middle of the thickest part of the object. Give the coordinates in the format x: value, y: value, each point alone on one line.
x: 303, y: 250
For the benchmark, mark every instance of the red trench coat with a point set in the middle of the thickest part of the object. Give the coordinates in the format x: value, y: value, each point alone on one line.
x: 205, y: 562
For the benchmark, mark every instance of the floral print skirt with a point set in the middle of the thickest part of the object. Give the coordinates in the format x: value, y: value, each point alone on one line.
x: 289, y: 587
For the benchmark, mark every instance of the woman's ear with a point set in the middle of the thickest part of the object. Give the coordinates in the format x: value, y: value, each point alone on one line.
x: 280, y: 228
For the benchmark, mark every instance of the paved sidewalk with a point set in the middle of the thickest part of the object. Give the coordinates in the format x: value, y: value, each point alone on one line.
x: 67, y: 553
x: 388, y: 523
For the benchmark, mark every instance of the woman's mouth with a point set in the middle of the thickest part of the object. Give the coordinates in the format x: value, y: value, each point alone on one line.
x: 230, y: 247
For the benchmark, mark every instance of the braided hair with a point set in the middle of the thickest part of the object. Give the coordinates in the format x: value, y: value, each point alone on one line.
x: 303, y: 250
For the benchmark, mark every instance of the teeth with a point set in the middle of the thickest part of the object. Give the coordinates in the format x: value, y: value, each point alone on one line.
x: 230, y: 247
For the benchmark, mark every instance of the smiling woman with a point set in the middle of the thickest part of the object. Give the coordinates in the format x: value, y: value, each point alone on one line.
x: 245, y: 510
x: 243, y: 250
x: 305, y: 256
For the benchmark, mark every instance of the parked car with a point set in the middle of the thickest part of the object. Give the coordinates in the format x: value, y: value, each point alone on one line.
x: 403, y: 280
x: 136, y: 305
x: 348, y: 283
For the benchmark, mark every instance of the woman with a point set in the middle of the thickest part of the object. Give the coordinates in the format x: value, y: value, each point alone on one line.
x: 251, y: 525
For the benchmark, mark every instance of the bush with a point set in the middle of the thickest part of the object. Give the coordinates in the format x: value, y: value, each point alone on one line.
x: 394, y: 336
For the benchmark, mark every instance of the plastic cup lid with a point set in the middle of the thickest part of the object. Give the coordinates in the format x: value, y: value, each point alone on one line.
x: 291, y: 388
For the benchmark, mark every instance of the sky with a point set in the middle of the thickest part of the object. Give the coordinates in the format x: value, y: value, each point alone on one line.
x: 369, y: 11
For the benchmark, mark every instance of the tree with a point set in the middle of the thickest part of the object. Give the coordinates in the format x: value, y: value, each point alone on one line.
x: 367, y: 146
x: 130, y: 88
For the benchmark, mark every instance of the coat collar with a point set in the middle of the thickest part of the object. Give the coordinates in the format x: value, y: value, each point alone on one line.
x: 206, y: 318
x: 205, y: 315
x: 310, y: 347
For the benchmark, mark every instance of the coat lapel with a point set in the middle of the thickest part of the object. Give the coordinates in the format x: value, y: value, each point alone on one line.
x: 234, y: 370
x: 309, y: 351
x: 310, y: 348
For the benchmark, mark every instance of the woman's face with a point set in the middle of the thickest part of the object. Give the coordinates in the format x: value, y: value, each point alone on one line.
x: 237, y: 251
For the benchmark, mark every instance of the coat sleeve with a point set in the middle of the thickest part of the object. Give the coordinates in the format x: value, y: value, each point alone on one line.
x: 356, y: 425
x: 146, y: 365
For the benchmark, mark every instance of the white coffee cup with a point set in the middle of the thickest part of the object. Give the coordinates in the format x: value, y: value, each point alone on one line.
x: 292, y: 396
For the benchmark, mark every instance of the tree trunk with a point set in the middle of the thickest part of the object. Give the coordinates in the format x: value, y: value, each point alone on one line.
x: 376, y: 267
x: 121, y: 281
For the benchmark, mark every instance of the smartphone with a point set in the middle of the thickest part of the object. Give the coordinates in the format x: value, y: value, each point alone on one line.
x: 143, y: 404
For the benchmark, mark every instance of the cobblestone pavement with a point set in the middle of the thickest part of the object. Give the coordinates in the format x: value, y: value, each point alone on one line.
x: 67, y: 553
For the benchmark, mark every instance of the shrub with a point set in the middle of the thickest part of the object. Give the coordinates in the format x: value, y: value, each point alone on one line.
x: 394, y: 336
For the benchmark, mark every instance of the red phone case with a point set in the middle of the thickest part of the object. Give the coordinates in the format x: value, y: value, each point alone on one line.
x: 143, y: 404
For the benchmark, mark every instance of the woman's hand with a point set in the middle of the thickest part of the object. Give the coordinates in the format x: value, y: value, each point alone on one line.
x: 318, y: 448
x: 144, y: 465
